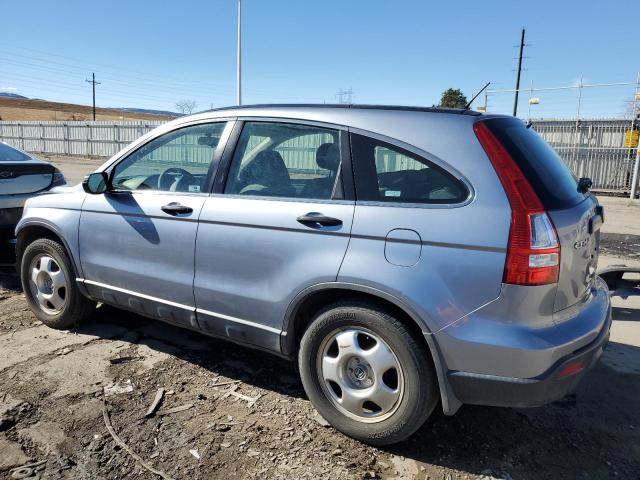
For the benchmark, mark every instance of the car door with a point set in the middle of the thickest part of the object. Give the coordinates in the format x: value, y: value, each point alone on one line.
x: 137, y: 241
x: 278, y: 222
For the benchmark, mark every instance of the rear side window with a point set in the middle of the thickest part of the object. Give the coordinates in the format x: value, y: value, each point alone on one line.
x: 387, y: 173
x: 549, y: 176
x: 286, y: 160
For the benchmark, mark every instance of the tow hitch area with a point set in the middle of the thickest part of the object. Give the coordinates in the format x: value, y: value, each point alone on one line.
x: 621, y: 279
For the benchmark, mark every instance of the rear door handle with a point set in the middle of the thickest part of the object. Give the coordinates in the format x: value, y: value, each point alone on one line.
x: 175, y: 208
x: 313, y: 219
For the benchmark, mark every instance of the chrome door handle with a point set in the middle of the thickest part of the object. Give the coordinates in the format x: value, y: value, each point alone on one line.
x: 313, y: 218
x: 175, y: 208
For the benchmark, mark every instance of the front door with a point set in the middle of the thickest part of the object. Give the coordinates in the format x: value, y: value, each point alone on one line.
x: 279, y: 224
x: 137, y: 241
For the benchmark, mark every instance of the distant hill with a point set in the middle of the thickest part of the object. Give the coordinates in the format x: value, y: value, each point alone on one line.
x: 17, y: 107
x: 11, y: 95
x: 151, y: 112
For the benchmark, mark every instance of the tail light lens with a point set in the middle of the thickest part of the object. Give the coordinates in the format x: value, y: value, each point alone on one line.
x: 533, y: 251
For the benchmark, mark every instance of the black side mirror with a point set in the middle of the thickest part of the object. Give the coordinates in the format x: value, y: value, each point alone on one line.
x: 584, y: 184
x: 95, y: 183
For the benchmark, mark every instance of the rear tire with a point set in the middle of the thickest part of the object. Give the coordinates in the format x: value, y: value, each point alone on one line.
x: 382, y: 384
x: 48, y: 282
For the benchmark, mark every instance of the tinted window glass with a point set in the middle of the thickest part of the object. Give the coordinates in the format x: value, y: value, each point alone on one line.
x: 10, y: 154
x: 285, y: 160
x: 388, y: 173
x: 178, y: 161
x: 549, y: 176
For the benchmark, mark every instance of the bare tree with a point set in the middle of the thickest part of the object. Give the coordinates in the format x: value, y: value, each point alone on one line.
x: 186, y: 107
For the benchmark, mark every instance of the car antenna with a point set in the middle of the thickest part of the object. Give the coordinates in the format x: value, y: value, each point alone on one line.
x: 466, y: 107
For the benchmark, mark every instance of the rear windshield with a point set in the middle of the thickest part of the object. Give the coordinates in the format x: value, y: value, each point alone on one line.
x: 549, y: 176
x: 9, y: 154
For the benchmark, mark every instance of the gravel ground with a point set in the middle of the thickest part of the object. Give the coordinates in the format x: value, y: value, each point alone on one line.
x: 52, y: 398
x: 620, y: 245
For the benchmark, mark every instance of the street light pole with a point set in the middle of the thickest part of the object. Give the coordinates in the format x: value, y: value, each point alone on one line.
x: 239, y: 58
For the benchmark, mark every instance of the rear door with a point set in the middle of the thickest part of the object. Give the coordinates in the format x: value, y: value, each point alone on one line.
x: 575, y: 215
x: 278, y: 222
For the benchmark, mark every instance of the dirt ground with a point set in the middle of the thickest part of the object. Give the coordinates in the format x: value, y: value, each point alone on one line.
x: 28, y: 109
x: 244, y: 413
x: 52, y: 396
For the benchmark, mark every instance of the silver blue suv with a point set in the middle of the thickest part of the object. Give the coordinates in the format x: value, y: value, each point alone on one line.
x: 405, y: 257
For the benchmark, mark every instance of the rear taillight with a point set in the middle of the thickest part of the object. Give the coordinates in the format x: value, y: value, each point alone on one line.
x: 533, y: 252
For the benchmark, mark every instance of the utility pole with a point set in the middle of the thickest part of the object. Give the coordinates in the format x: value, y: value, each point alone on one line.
x: 239, y: 58
x: 93, y: 84
x: 515, y: 100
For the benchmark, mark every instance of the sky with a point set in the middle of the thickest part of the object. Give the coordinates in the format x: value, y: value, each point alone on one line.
x: 151, y: 54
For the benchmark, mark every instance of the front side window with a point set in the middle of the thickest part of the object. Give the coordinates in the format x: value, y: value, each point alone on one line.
x: 388, y: 173
x: 178, y: 161
x: 286, y: 160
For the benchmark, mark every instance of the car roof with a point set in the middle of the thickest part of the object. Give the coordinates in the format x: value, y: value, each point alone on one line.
x: 408, y: 108
x: 382, y: 119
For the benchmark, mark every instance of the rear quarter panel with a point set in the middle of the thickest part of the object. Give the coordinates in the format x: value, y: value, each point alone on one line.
x: 462, y: 248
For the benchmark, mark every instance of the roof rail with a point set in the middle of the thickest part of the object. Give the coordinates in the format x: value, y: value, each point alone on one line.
x: 460, y: 111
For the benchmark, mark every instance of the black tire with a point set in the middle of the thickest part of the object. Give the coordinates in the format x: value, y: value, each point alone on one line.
x: 420, y: 384
x: 76, y: 306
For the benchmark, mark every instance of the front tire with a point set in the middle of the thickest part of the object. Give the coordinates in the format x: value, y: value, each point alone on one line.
x: 49, y: 285
x: 366, y: 374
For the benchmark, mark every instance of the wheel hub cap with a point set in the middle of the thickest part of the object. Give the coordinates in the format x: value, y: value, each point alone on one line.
x: 48, y: 284
x: 360, y: 374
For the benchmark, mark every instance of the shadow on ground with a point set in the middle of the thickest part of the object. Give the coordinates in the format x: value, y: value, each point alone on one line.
x: 595, y: 434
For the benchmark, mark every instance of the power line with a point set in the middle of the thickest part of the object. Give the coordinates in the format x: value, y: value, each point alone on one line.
x: 93, y: 85
x: 131, y: 80
x: 85, y: 63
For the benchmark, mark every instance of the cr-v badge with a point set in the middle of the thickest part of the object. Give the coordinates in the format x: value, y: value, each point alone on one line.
x: 580, y: 243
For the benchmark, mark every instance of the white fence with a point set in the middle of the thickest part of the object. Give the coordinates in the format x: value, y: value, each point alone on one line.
x: 92, y: 139
x: 591, y: 148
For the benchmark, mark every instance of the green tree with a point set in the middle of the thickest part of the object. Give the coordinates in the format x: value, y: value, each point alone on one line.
x: 453, y: 98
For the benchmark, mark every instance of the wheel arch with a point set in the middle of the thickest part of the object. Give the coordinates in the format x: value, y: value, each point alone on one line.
x: 33, y: 230
x: 306, y: 303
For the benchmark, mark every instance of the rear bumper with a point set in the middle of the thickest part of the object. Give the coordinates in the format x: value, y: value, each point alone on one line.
x: 498, y: 362
x: 553, y: 385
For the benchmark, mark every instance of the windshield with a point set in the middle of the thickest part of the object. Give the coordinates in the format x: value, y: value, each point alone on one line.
x: 10, y: 154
